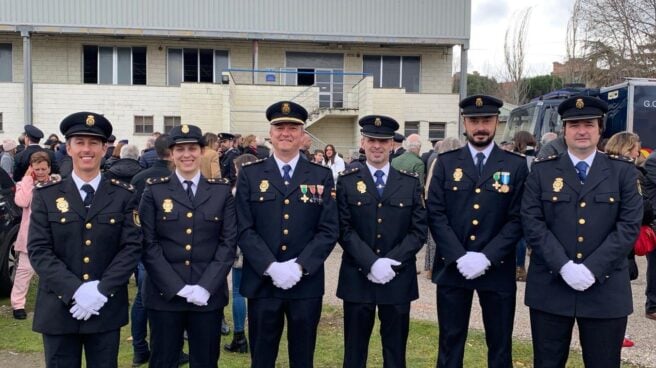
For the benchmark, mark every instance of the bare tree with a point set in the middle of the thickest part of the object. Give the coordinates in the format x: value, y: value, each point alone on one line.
x: 574, y: 65
x: 514, y: 50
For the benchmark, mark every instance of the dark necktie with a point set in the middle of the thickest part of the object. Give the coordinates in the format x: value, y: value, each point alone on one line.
x: 190, y: 193
x: 480, y: 158
x: 286, y: 176
x: 582, y: 170
x: 380, y: 184
x: 89, y: 197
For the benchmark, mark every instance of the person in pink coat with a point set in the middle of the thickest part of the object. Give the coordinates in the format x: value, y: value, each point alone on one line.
x: 37, y: 172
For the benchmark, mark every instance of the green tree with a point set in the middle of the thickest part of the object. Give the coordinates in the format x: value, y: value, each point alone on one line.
x: 542, y: 84
x: 477, y: 84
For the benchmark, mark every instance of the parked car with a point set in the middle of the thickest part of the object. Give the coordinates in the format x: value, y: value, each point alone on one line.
x: 10, y: 218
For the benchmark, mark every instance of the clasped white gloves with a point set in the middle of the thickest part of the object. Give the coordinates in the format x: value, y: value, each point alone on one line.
x: 88, y: 301
x: 195, y: 294
x: 473, y: 265
x: 577, y: 276
x: 285, y: 274
x: 381, y: 271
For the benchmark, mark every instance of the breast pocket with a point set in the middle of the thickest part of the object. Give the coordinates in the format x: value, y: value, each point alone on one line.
x: 401, y: 202
x: 63, y: 218
x: 358, y: 201
x: 262, y: 197
x: 556, y: 197
x: 457, y: 186
x: 167, y: 216
x: 111, y: 219
x: 609, y: 198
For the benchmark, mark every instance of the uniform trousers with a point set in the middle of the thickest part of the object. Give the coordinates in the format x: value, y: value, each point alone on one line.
x: 266, y: 319
x: 453, y: 311
x: 601, y: 340
x: 65, y: 351
x: 358, y: 324
x: 166, y: 337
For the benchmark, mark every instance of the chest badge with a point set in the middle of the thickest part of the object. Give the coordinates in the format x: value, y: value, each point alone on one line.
x: 457, y: 174
x: 505, y: 181
x: 361, y: 187
x: 304, y: 190
x: 264, y: 186
x: 167, y: 205
x: 558, y: 185
x: 62, y: 204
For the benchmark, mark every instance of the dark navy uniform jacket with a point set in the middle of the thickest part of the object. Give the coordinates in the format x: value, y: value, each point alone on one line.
x: 187, y: 243
x: 69, y: 245
x: 595, y: 223
x: 372, y: 227
x: 276, y: 224
x: 468, y: 213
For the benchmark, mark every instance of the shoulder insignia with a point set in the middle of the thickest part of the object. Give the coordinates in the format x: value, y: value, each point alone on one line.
x: 621, y: 158
x: 544, y: 159
x: 349, y: 171
x: 122, y: 184
x: 47, y: 184
x: 223, y: 181
x: 163, y: 179
x: 408, y: 173
x: 449, y: 151
x: 516, y: 153
x: 254, y: 162
x: 320, y: 165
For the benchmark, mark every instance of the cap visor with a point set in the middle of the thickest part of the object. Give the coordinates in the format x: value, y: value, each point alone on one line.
x: 481, y: 114
x: 584, y: 117
x: 377, y: 135
x: 287, y: 120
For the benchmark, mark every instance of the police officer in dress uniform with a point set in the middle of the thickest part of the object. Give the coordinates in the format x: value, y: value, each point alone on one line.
x: 397, y: 149
x: 581, y: 214
x: 22, y: 161
x: 287, y: 228
x: 382, y: 226
x: 84, y: 244
x: 190, y: 229
x: 473, y: 208
x: 228, y: 155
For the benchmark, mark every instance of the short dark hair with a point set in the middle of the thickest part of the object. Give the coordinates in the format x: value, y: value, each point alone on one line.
x: 162, y: 146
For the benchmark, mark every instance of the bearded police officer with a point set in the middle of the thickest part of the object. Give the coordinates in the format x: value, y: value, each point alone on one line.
x: 581, y: 213
x: 382, y: 226
x: 190, y: 230
x: 287, y: 228
x: 473, y: 208
x: 84, y: 244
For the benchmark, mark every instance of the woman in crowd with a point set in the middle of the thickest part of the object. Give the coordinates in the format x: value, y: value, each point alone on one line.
x: 250, y: 145
x: 7, y: 158
x: 332, y: 160
x: 209, y: 162
x: 525, y: 144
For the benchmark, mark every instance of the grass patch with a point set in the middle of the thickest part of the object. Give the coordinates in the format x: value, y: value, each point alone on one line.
x: 17, y: 336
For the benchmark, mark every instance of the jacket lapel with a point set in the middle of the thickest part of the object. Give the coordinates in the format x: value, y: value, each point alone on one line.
x: 301, y: 173
x: 203, y: 192
x: 177, y: 192
x: 72, y: 195
x: 492, y: 164
x: 272, y: 174
x: 390, y: 185
x: 568, y: 173
x: 101, y: 198
x: 598, y: 172
x: 365, y: 176
x: 467, y: 164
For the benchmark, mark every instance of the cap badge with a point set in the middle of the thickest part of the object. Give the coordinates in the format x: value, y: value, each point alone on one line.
x: 580, y: 104
x: 557, y: 185
x: 457, y: 174
x: 62, y: 204
x: 285, y: 108
x: 184, y: 128
x: 361, y: 187
x: 90, y: 120
x: 167, y: 205
x: 378, y: 122
x: 479, y: 102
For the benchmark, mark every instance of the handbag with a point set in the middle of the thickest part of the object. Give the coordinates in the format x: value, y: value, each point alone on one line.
x: 646, y: 241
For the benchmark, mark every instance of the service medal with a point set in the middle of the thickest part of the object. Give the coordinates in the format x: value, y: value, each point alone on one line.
x: 264, y: 186
x: 505, y: 181
x: 558, y: 185
x: 457, y: 174
x: 304, y: 190
x: 62, y: 204
x: 496, y: 177
x: 167, y: 205
x: 361, y: 187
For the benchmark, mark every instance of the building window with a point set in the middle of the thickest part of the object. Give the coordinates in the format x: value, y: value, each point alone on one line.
x: 393, y: 71
x: 196, y: 65
x: 143, y: 124
x: 5, y: 62
x: 436, y: 130
x: 170, y: 122
x: 2, y: 126
x: 114, y: 65
x: 411, y: 127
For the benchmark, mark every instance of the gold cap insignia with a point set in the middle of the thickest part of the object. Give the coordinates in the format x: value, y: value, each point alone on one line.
x: 62, y: 204
x: 457, y: 174
x: 361, y: 187
x: 264, y: 186
x: 479, y: 102
x: 285, y: 108
x: 185, y: 128
x: 558, y: 185
x: 167, y: 205
x: 135, y: 218
x: 90, y: 120
x: 580, y: 104
x: 378, y: 122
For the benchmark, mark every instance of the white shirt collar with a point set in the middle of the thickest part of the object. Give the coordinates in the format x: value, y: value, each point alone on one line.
x: 291, y: 163
x: 385, y: 169
x: 588, y: 160
x: 95, y: 182
x: 194, y: 180
x: 487, y: 151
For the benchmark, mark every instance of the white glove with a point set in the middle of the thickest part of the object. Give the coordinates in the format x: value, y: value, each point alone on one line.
x: 577, y: 276
x: 199, y: 296
x: 473, y: 265
x: 381, y: 271
x: 88, y: 296
x: 80, y: 313
x: 284, y: 274
x: 185, y: 291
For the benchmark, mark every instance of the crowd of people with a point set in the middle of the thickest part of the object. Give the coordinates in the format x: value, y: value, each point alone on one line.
x: 191, y: 207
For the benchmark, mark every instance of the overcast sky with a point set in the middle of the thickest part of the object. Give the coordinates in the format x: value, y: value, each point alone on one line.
x: 545, y: 40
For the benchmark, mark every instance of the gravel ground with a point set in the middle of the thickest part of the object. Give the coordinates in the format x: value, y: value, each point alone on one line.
x: 640, y: 329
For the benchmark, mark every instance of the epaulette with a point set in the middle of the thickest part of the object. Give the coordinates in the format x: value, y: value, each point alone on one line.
x: 320, y: 165
x: 253, y: 162
x: 122, y: 184
x: 409, y: 173
x: 450, y: 151
x: 218, y: 181
x: 544, y: 159
x: 349, y: 171
x: 621, y: 158
x: 163, y: 179
x: 517, y: 153
x: 47, y: 184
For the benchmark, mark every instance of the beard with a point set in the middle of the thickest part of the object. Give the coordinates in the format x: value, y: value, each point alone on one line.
x: 484, y: 143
